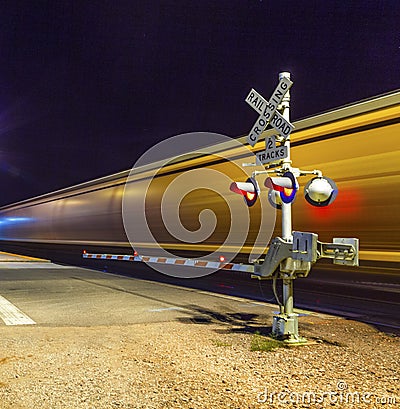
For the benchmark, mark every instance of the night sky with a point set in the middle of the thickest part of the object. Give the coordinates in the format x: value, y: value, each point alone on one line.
x: 86, y: 87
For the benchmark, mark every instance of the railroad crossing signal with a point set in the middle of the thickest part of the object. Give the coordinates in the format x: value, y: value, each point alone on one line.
x: 293, y: 254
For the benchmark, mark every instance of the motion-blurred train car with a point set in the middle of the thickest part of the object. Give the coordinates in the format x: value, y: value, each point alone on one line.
x: 357, y: 145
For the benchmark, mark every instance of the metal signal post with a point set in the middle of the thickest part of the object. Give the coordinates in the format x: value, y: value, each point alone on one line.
x: 286, y: 164
x: 287, y: 321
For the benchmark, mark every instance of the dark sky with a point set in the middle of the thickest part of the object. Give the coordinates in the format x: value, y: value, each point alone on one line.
x: 88, y: 86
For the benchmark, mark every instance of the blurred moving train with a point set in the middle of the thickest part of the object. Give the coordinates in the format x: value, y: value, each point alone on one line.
x: 357, y: 145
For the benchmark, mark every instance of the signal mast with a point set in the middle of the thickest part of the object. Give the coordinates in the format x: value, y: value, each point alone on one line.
x: 292, y: 255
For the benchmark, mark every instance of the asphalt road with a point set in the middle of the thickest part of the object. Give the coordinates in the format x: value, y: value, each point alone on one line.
x: 126, y: 292
x: 53, y: 295
x: 369, y: 294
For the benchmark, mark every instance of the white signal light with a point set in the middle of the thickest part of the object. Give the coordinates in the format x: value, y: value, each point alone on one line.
x: 320, y: 191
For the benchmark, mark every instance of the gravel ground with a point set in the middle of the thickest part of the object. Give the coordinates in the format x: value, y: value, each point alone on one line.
x: 197, y: 364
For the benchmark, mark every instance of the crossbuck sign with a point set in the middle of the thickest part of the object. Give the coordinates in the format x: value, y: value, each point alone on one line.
x: 268, y: 112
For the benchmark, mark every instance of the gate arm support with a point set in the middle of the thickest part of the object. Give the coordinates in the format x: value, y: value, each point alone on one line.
x: 278, y: 251
x: 343, y: 251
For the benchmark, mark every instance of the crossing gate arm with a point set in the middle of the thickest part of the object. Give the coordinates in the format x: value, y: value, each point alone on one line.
x: 293, y: 258
x: 179, y: 262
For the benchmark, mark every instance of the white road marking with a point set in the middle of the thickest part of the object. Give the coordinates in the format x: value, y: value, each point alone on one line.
x: 11, y: 315
x: 166, y: 309
x: 25, y: 264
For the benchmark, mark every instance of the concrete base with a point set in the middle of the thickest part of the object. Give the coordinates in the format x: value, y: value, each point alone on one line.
x: 286, y: 328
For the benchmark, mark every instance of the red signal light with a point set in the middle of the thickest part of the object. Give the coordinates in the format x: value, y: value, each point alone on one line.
x: 249, y: 190
x: 250, y: 196
x: 286, y: 185
x: 287, y: 192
